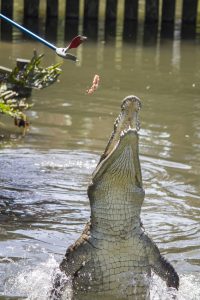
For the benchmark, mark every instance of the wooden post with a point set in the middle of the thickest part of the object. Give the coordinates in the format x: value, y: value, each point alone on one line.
x: 91, y: 9
x: 110, y: 20
x: 168, y: 16
x: 52, y: 8
x: 131, y: 10
x: 72, y: 9
x: 111, y: 9
x: 130, y: 20
x: 71, y: 28
x: 7, y: 8
x: 31, y: 14
x: 31, y: 8
x: 189, y: 18
x: 71, y: 19
x: 150, y: 36
x: 6, y: 28
x: 90, y: 25
x: 151, y: 11
x: 168, y: 11
x: 51, y: 20
x: 90, y: 28
x: 189, y: 11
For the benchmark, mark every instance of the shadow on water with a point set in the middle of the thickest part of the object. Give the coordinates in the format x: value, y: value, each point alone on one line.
x: 44, y: 175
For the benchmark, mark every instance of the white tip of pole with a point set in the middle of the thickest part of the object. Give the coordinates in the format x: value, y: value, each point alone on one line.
x: 62, y: 53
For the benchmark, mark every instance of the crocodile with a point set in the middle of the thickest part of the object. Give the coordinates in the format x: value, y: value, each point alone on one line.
x: 114, y: 257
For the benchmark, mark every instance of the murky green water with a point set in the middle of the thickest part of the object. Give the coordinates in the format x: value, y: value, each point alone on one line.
x: 44, y: 175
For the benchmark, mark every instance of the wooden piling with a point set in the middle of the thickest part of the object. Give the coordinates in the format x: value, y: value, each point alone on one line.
x: 51, y: 20
x: 91, y: 12
x: 110, y: 19
x: 150, y: 36
x: 168, y: 17
x: 130, y: 20
x: 71, y: 28
x: 90, y: 24
x: 72, y: 9
x: 31, y: 16
x: 6, y: 28
x: 52, y: 9
x: 31, y: 8
x: 151, y: 11
x: 189, y: 11
x: 71, y: 19
x: 7, y: 8
x: 111, y: 9
x: 130, y: 31
x: 168, y: 11
x: 131, y: 10
x: 189, y: 18
x: 91, y: 9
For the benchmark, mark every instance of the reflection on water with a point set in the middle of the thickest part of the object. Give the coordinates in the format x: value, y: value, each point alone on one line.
x: 44, y: 175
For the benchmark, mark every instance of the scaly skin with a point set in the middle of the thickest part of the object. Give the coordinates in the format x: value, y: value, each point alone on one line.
x: 113, y: 257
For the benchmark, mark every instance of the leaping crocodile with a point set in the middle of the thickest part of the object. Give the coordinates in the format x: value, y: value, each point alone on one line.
x: 114, y: 257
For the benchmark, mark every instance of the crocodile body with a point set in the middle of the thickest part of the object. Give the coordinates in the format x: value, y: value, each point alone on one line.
x: 114, y: 257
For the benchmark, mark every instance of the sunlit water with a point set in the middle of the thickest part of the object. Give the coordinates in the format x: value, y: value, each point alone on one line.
x: 44, y: 175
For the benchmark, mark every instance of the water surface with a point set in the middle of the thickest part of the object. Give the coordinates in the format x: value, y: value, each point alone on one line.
x: 44, y: 175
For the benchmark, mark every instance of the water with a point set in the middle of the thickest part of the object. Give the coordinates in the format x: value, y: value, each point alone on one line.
x: 44, y: 175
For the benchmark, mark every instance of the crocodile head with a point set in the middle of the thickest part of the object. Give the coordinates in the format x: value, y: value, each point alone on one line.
x: 123, y: 143
x: 117, y: 181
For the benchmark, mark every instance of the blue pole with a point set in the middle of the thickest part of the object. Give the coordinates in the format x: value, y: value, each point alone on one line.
x: 33, y: 35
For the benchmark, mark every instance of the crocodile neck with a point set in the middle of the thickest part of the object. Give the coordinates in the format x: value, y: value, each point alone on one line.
x: 115, y: 215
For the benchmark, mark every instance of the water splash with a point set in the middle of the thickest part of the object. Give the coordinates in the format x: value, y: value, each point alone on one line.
x: 35, y: 283
x: 189, y: 288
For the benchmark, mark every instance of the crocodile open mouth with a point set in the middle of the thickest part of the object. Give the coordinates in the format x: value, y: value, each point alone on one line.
x: 127, y: 120
x: 124, y: 136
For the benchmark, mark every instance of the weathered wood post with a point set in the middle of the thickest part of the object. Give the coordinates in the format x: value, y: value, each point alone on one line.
x: 71, y: 18
x: 31, y: 13
x: 91, y: 11
x: 51, y: 19
x: 111, y: 9
x: 130, y: 20
x: 168, y: 17
x: 131, y: 10
x: 151, y: 21
x: 7, y: 8
x: 6, y: 29
x: 111, y: 16
x: 31, y: 8
x: 189, y: 17
x: 189, y: 11
x: 52, y: 9
x: 72, y: 9
x: 151, y: 11
x: 168, y: 11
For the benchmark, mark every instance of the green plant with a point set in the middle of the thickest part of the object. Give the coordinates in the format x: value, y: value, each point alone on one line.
x: 16, y: 86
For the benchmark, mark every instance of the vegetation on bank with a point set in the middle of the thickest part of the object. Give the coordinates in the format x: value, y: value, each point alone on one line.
x: 16, y: 86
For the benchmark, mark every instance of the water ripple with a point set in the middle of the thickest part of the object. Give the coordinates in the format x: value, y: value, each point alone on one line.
x: 44, y: 203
